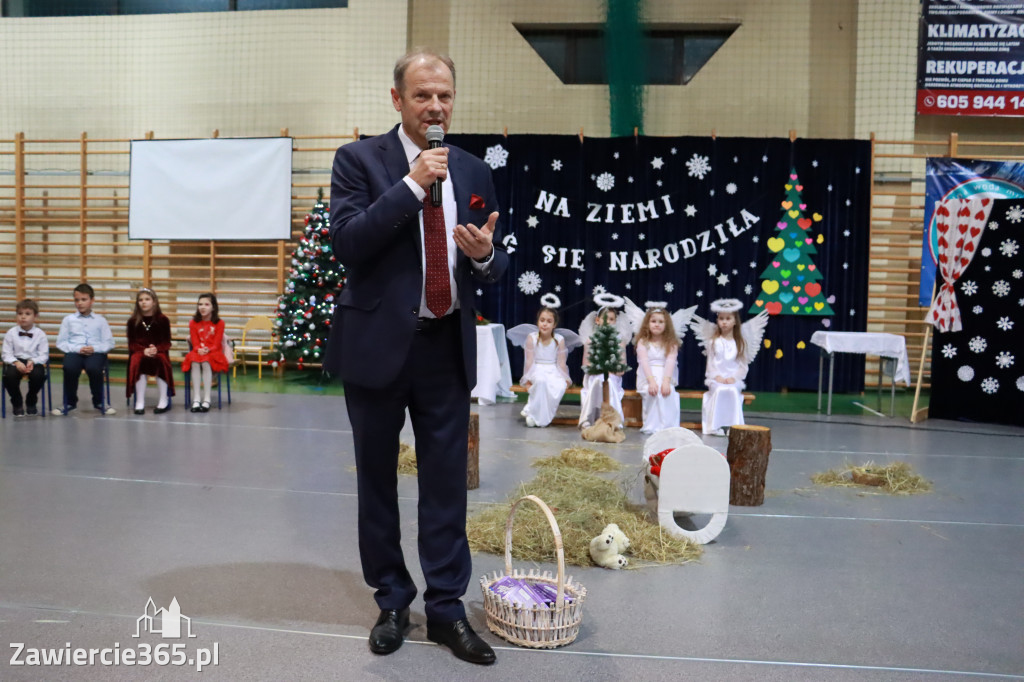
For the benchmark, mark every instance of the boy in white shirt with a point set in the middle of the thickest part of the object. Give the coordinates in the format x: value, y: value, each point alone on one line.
x: 25, y: 353
x: 86, y: 339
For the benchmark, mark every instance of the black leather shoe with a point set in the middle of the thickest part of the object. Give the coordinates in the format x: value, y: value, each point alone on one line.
x: 161, y: 410
x: 389, y: 632
x: 460, y: 638
x: 140, y: 410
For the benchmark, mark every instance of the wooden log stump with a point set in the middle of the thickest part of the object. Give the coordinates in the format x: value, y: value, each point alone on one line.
x: 633, y: 410
x: 473, y: 453
x: 749, y: 447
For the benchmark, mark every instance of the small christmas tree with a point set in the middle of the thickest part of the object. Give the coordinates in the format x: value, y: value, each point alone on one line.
x: 605, y: 357
x: 316, y: 278
x: 789, y: 283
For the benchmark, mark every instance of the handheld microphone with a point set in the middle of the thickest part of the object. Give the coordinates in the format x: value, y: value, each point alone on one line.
x: 435, y: 134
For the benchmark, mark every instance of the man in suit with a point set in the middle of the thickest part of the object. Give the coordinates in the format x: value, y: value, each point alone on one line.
x: 403, y: 338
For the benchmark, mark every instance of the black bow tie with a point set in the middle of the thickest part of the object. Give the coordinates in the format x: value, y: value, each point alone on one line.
x: 28, y: 334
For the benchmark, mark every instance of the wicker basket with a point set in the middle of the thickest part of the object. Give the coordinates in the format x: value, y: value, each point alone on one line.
x: 535, y: 627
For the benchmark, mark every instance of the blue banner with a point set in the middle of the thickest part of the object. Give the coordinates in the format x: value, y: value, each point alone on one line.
x: 960, y: 179
x: 780, y: 225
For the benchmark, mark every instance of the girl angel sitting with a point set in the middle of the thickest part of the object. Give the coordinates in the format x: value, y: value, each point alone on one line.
x: 545, y: 373
x: 730, y: 347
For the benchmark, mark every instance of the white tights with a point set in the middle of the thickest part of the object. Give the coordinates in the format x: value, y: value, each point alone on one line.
x: 140, y: 392
x: 207, y: 379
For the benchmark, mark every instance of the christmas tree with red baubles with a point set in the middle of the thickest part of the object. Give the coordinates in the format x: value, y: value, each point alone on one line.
x: 315, y: 279
x: 790, y: 281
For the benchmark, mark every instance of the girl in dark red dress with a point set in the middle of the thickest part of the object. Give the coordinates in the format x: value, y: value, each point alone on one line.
x: 149, y: 341
x: 206, y: 332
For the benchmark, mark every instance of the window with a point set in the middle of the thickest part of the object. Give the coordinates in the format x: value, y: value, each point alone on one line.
x: 64, y: 8
x: 578, y: 56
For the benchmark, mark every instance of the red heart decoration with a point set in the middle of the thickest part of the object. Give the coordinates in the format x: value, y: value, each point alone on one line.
x: 959, y: 243
x: 975, y: 231
x: 965, y: 261
x: 799, y: 188
x: 773, y: 307
x: 942, y: 258
x: 942, y: 210
x: 969, y: 247
x: 812, y: 289
x: 963, y: 229
x: 804, y: 223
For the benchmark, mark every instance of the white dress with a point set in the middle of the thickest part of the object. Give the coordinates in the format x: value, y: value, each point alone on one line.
x: 548, y: 375
x: 591, y: 394
x: 723, y: 403
x: 660, y: 412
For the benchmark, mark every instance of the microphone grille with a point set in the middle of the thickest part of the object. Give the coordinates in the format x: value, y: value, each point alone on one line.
x: 435, y: 133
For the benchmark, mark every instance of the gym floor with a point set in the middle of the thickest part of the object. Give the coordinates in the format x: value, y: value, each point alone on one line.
x: 246, y: 516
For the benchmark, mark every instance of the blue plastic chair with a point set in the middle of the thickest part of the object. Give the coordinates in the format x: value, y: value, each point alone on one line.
x: 45, y: 397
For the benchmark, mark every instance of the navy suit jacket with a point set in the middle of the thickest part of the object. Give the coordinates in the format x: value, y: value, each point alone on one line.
x: 375, y: 235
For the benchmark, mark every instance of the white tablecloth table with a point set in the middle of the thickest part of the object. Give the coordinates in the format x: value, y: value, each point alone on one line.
x: 493, y: 373
x: 890, y: 347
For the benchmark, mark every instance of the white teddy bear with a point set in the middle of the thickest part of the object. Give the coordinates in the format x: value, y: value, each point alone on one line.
x: 606, y: 549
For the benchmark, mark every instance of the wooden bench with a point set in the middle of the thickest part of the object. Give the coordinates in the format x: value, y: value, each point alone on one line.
x: 632, y: 406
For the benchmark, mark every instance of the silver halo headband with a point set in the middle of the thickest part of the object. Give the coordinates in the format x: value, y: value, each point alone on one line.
x: 550, y: 300
x: 607, y: 300
x: 651, y: 306
x: 726, y: 305
x: 146, y: 290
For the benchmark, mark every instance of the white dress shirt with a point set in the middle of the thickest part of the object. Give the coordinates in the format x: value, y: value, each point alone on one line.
x: 78, y: 330
x: 18, y: 347
x: 450, y: 220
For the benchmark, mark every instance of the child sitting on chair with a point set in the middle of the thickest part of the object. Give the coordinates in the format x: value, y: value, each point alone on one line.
x: 656, y: 349
x: 730, y: 347
x: 149, y: 342
x: 25, y: 354
x: 85, y: 339
x: 206, y: 336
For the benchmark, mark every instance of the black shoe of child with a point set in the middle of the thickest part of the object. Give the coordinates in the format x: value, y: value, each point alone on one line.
x: 31, y: 410
x: 161, y: 410
x: 195, y: 407
x: 140, y: 410
x: 19, y: 411
x: 204, y: 406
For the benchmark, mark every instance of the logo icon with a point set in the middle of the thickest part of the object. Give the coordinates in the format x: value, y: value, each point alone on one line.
x: 163, y: 622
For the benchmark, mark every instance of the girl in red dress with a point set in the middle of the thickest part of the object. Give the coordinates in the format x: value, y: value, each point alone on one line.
x: 149, y: 340
x: 206, y: 334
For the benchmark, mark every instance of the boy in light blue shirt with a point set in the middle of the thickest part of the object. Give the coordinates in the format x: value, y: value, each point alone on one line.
x: 86, y: 339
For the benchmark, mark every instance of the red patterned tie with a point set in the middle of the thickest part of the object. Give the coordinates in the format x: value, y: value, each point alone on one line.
x: 435, y: 247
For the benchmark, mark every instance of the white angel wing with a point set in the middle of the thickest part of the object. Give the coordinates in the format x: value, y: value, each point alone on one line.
x: 634, y: 315
x: 681, y: 320
x: 587, y: 325
x: 703, y: 330
x: 517, y: 335
x: 572, y: 339
x: 625, y: 328
x: 753, y: 331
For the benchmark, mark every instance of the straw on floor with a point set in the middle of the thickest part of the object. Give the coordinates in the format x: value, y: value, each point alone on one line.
x: 897, y: 478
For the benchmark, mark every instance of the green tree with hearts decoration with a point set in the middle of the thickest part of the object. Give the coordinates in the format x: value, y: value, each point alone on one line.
x: 789, y: 283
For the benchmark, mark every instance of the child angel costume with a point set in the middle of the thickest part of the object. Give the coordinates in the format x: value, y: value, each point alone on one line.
x: 591, y: 394
x: 659, y: 411
x: 722, y: 404
x: 545, y: 369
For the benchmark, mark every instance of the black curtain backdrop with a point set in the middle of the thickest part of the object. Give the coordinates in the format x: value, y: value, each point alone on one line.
x: 978, y: 372
x: 684, y: 220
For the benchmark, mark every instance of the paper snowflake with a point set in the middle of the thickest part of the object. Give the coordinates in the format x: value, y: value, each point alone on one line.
x: 605, y: 181
x: 748, y: 290
x: 615, y: 235
x: 579, y: 281
x: 699, y: 293
x: 558, y: 287
x: 1018, y: 273
x: 730, y: 188
x: 978, y: 344
x: 698, y: 167
x: 993, y: 225
x: 712, y: 269
x: 1004, y: 359
x: 496, y: 156
x: 1020, y: 383
x: 969, y: 288
x: 1009, y: 247
x: 965, y: 373
x: 628, y: 285
x: 977, y: 310
x: 556, y: 165
x: 1015, y: 214
x: 949, y: 350
x: 989, y: 385
x: 986, y: 252
x: 657, y: 163
x: 669, y: 287
x: 723, y: 279
x: 1005, y: 323
x: 598, y: 289
x: 1001, y: 288
x: 529, y: 282
x: 690, y: 210
x: 479, y: 292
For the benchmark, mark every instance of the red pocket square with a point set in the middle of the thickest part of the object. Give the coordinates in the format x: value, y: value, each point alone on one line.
x: 476, y: 202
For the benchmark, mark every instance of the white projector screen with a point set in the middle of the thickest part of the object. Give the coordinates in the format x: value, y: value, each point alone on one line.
x: 210, y: 189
